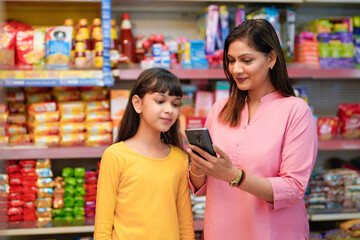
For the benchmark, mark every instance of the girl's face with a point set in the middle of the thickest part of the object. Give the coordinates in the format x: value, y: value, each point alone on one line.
x: 159, y: 110
x: 249, y: 67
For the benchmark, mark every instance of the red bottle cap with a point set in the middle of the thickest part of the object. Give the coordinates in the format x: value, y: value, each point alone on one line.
x: 125, y: 16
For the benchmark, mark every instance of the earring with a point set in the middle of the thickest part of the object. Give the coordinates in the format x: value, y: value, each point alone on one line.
x: 271, y: 67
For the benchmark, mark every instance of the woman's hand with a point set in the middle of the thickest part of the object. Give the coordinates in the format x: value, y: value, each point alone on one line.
x: 218, y: 167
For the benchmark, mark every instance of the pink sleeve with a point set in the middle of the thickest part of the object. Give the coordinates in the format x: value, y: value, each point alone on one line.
x: 201, y: 191
x: 298, y: 158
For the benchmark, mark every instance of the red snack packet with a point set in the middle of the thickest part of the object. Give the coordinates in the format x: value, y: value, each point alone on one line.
x: 16, y: 203
x: 29, y: 197
x: 16, y: 218
x: 27, y: 164
x: 327, y: 127
x: 15, y: 211
x: 30, y: 217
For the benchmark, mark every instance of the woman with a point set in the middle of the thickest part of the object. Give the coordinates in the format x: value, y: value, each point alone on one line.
x: 266, y: 143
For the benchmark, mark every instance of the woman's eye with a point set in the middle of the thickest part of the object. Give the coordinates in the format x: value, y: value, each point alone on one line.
x: 231, y: 61
x: 247, y: 60
x: 159, y: 101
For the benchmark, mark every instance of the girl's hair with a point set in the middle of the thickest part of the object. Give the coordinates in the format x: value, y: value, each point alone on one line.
x: 153, y: 80
x: 260, y: 35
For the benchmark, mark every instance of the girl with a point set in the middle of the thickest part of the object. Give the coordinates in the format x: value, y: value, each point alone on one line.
x: 143, y: 191
x: 266, y: 143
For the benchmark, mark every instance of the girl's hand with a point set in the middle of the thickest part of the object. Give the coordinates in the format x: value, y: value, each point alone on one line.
x: 218, y: 167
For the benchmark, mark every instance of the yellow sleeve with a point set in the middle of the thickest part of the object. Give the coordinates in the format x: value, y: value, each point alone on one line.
x: 108, y: 182
x: 185, y: 215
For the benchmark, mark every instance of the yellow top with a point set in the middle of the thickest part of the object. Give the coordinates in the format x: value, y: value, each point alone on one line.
x: 140, y: 197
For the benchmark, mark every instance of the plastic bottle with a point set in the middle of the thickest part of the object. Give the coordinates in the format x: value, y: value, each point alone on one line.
x: 84, y: 31
x: 70, y: 22
x: 165, y: 57
x: 95, y: 31
x: 98, y: 53
x: 126, y: 38
x: 114, y: 45
x: 80, y: 55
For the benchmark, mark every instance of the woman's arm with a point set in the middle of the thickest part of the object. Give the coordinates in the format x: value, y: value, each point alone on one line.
x: 222, y: 168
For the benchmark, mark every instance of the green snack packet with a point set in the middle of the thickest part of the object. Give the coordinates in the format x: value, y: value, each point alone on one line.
x: 80, y: 190
x: 67, y: 172
x: 69, y: 191
x: 79, y: 211
x: 70, y: 181
x: 67, y: 211
x: 79, y: 201
x: 80, y: 181
x: 57, y: 213
x: 69, y: 201
x: 79, y: 172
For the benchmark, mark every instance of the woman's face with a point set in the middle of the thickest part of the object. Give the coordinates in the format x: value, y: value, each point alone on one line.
x: 249, y: 67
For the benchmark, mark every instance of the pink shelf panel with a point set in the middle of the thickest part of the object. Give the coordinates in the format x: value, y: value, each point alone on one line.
x: 33, y: 152
x: 352, y: 73
x: 340, y: 144
x: 294, y: 70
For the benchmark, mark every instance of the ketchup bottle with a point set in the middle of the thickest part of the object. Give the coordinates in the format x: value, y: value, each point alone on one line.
x: 126, y: 38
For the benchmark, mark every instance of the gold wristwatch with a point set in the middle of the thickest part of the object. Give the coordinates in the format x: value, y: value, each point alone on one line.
x: 236, y: 181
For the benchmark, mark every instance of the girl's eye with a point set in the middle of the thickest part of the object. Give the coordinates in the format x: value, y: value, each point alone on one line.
x: 176, y: 105
x: 247, y: 60
x: 159, y: 101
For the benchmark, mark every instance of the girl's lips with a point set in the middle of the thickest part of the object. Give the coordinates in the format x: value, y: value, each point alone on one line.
x: 167, y: 120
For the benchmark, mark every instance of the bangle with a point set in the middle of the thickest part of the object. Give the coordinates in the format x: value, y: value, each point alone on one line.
x: 194, y: 173
x: 242, y: 178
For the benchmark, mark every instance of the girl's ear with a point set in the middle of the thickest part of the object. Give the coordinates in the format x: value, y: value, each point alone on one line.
x: 272, y: 59
x: 136, y: 102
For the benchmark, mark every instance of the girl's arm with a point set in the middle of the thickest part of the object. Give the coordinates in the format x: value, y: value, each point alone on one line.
x: 106, y: 196
x: 183, y: 204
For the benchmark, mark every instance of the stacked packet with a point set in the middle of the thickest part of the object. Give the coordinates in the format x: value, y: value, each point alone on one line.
x: 45, y: 184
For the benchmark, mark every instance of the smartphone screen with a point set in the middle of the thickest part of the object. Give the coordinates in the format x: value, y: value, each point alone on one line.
x: 200, y: 137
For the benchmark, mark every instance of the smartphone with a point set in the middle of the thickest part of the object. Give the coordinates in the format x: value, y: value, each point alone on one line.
x: 200, y: 137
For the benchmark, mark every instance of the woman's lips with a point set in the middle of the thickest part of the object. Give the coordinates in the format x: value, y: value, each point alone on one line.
x: 240, y: 80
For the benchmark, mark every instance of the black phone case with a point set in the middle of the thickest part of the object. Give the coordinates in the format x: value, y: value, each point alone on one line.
x: 200, y: 137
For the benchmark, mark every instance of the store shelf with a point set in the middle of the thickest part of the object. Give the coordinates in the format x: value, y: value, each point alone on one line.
x: 30, y: 228
x: 333, y: 216
x: 294, y: 70
x: 34, y: 152
x: 340, y: 144
x: 46, y: 230
x: 337, y: 74
x: 51, y: 78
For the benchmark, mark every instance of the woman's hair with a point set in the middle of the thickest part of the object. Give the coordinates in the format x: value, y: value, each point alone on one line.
x: 260, y: 35
x: 153, y: 80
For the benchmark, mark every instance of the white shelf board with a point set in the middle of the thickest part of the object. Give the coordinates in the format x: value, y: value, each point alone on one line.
x: 333, y: 216
x: 46, y: 230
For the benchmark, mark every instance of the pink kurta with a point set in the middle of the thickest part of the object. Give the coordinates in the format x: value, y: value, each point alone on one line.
x: 280, y: 144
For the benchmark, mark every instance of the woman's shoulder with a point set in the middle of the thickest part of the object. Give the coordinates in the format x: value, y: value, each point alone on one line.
x: 219, y: 104
x: 294, y: 103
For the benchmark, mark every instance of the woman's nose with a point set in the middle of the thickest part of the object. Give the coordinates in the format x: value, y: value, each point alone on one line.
x: 238, y: 68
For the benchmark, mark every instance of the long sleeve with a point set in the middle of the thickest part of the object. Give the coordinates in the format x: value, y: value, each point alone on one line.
x: 298, y: 158
x: 183, y: 205
x: 106, y: 196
